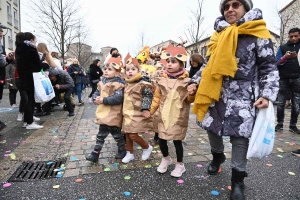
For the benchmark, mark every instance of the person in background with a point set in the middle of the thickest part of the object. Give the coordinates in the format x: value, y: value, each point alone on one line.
x: 95, y: 74
x: 2, y: 69
x: 11, y: 83
x: 76, y: 73
x: 56, y: 60
x: 289, y: 72
x: 196, y: 61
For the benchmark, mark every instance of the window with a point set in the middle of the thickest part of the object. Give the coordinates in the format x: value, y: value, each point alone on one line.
x: 16, y: 2
x: 16, y: 21
x: 9, y: 17
x: 10, y: 40
x: 204, y: 51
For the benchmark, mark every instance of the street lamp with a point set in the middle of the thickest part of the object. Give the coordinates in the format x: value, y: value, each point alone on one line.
x: 4, y: 27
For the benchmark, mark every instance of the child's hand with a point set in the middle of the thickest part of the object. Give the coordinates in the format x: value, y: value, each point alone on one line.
x: 146, y: 113
x: 192, y: 89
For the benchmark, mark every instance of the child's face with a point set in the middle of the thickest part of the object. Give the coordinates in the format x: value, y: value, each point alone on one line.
x: 173, y: 65
x: 160, y: 71
x: 109, y: 71
x: 131, y: 71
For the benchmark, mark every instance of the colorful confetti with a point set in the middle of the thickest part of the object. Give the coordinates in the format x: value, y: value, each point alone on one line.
x: 280, y: 150
x: 56, y: 186
x: 73, y: 158
x: 127, y: 177
x: 199, y: 165
x: 180, y: 181
x: 148, y: 166
x: 107, y: 169
x: 5, y: 185
x: 78, y: 180
x: 292, y: 173
x: 280, y: 156
x: 12, y: 156
x: 127, y: 194
x: 269, y: 165
x: 215, y: 193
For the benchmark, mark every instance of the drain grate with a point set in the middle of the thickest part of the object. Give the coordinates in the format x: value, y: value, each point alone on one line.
x: 32, y: 171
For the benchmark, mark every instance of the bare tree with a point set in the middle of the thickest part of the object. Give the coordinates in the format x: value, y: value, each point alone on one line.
x: 56, y: 20
x: 142, y: 41
x: 193, y: 33
x: 80, y: 48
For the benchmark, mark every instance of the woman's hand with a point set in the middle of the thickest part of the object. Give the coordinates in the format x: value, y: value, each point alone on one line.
x: 262, y: 103
x: 192, y: 89
x: 146, y: 113
x: 98, y: 100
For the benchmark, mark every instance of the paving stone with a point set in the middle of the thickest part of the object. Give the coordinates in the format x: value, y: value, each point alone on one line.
x: 91, y: 170
x: 71, y: 172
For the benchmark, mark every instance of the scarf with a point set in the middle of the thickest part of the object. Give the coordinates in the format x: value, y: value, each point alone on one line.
x: 222, y: 62
x: 175, y: 74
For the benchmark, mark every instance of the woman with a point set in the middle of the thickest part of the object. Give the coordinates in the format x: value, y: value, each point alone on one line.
x: 56, y: 60
x: 196, y: 61
x: 240, y: 77
x: 76, y: 73
x: 42, y: 48
x: 95, y: 74
x: 11, y: 83
x: 28, y: 61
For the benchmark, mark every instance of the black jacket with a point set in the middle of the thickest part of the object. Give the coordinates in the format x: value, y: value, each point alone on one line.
x: 2, y: 69
x: 27, y: 61
x: 62, y: 78
x: 95, y: 72
x: 193, y: 70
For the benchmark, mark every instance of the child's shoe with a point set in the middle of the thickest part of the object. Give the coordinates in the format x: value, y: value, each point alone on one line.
x: 163, y: 167
x: 147, y: 152
x: 93, y: 157
x: 121, y: 153
x: 178, y: 171
x: 129, y: 156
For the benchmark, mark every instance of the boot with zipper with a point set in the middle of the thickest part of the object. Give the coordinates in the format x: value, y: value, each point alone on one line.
x: 218, y: 159
x: 237, y: 185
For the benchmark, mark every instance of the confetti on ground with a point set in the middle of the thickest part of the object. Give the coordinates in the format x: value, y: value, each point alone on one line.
x: 5, y: 185
x: 8, y: 151
x: 12, y: 156
x: 219, y: 170
x: 3, y: 142
x: 127, y: 194
x: 15, y: 143
x: 269, y: 165
x: 154, y: 151
x: 157, y: 163
x: 49, y: 163
x: 56, y: 186
x: 180, y: 181
x: 81, y: 199
x: 292, y: 173
x: 280, y: 150
x: 199, y: 165
x: 214, y: 192
x: 190, y: 154
x: 127, y: 177
x: 280, y: 139
x: 148, y: 166
x: 73, y: 158
x: 107, y: 169
x: 78, y: 180
x: 280, y: 156
x: 58, y: 175
x: 156, y: 147
x: 292, y: 143
x: 229, y: 187
x: 115, y: 165
x: 42, y: 153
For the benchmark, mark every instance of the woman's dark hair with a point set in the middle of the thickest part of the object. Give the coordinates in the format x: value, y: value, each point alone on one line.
x: 95, y: 62
x: 21, y: 37
x: 197, y: 58
x: 113, y: 49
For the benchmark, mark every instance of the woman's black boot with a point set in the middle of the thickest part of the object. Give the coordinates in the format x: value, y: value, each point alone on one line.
x: 237, y: 185
x: 218, y: 159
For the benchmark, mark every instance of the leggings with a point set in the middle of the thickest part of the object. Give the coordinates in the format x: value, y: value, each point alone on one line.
x: 239, y: 149
x: 134, y: 137
x: 165, y: 150
x: 12, y: 96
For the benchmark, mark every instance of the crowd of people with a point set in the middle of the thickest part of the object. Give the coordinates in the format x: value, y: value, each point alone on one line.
x: 227, y: 88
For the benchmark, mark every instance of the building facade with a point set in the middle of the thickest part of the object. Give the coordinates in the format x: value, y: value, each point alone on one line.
x: 157, y: 48
x: 11, y: 20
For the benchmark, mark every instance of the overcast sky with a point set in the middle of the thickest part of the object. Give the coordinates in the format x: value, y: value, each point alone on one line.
x: 117, y: 23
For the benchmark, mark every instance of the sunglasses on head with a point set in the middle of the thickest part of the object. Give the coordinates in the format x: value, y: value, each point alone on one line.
x: 234, y: 5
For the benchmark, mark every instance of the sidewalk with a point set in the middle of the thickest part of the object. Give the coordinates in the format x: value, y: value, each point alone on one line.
x: 74, y: 137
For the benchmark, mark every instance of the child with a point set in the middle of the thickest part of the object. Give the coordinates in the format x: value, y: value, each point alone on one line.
x: 160, y: 69
x: 171, y: 96
x: 109, y: 98
x: 136, y: 106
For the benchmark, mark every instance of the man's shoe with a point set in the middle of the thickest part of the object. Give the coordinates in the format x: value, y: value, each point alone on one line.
x: 121, y: 153
x: 33, y: 125
x: 20, y: 117
x: 71, y: 114
x: 36, y: 119
x: 279, y: 127
x: 296, y: 152
x: 93, y: 157
x: 294, y: 129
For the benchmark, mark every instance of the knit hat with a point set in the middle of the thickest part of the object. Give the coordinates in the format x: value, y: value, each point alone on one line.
x: 247, y: 4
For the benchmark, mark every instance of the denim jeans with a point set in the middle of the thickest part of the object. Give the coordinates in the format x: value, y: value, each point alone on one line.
x: 79, y: 90
x: 284, y: 85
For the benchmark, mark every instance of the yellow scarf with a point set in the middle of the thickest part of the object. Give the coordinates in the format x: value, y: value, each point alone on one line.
x: 222, y: 62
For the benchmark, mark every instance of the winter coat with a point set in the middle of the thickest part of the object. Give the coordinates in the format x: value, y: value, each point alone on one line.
x: 27, y: 62
x: 110, y: 112
x: 256, y: 76
x: 193, y: 70
x: 62, y: 78
x: 2, y: 63
x: 76, y: 77
x: 95, y: 73
x: 10, y: 76
x: 172, y: 98
x: 137, y: 97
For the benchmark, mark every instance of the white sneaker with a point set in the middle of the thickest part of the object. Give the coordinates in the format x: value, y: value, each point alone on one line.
x: 178, y: 171
x: 147, y: 152
x: 36, y: 119
x: 20, y: 117
x: 128, y: 157
x: 24, y: 125
x: 34, y: 126
x: 90, y: 100
x: 164, y: 164
x: 14, y: 106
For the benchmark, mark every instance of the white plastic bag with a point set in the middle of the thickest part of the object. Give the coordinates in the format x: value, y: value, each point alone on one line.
x: 43, y: 90
x: 263, y: 134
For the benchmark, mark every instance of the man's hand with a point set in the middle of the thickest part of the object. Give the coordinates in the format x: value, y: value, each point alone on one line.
x: 76, y: 72
x: 192, y: 89
x: 57, y: 86
x: 290, y: 54
x: 262, y: 103
x: 146, y: 113
x: 98, y: 100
